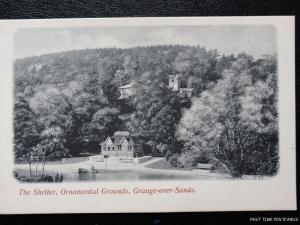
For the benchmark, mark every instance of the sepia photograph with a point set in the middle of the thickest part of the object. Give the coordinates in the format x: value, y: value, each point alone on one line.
x: 134, y: 103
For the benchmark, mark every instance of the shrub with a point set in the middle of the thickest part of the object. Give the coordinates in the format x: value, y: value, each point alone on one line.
x: 46, y: 178
x: 16, y: 174
x: 173, y: 159
x: 192, y: 157
x: 178, y: 165
x: 168, y: 155
x: 219, y: 167
x: 161, y: 148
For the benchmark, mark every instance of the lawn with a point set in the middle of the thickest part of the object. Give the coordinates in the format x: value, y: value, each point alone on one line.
x: 161, y: 164
x: 164, y: 164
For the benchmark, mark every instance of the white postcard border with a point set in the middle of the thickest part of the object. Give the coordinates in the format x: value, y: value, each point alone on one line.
x: 277, y: 193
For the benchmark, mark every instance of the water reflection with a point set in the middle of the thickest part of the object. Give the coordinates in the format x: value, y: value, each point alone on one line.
x: 117, y: 176
x: 106, y: 176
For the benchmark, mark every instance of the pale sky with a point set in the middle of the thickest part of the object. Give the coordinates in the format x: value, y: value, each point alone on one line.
x: 255, y: 40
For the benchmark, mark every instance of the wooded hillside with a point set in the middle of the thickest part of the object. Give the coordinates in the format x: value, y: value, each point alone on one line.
x: 67, y: 103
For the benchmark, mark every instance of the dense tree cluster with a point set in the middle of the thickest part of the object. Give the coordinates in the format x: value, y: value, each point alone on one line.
x: 67, y: 103
x: 235, y: 122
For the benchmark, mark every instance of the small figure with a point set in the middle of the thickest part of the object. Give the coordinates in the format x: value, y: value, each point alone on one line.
x: 56, y: 177
x: 92, y: 169
x: 61, y: 178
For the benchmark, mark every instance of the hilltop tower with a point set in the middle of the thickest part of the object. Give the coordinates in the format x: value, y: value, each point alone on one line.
x: 175, y: 82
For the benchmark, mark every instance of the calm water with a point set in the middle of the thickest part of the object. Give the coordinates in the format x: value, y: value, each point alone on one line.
x: 118, y: 175
x: 108, y: 176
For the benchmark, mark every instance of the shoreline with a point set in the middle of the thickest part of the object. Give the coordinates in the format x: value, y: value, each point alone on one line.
x: 119, y: 168
x: 114, y: 167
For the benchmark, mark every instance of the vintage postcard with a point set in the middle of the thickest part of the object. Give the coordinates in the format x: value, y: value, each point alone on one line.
x: 147, y: 115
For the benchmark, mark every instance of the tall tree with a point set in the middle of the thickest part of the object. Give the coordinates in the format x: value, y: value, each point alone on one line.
x: 26, y: 132
x: 50, y: 147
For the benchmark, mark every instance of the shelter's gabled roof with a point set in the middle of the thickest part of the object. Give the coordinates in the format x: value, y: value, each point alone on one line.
x: 108, y: 139
x: 117, y: 139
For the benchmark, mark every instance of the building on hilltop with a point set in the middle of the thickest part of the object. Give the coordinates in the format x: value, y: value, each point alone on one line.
x: 175, y: 84
x: 127, y: 90
x: 122, y: 144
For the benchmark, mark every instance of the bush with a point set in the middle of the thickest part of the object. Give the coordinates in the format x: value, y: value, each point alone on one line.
x: 192, y: 157
x: 173, y: 160
x: 219, y: 167
x: 172, y: 149
x: 46, y: 178
x: 168, y: 155
x: 161, y: 148
x: 27, y: 178
x: 178, y: 165
x: 16, y: 174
